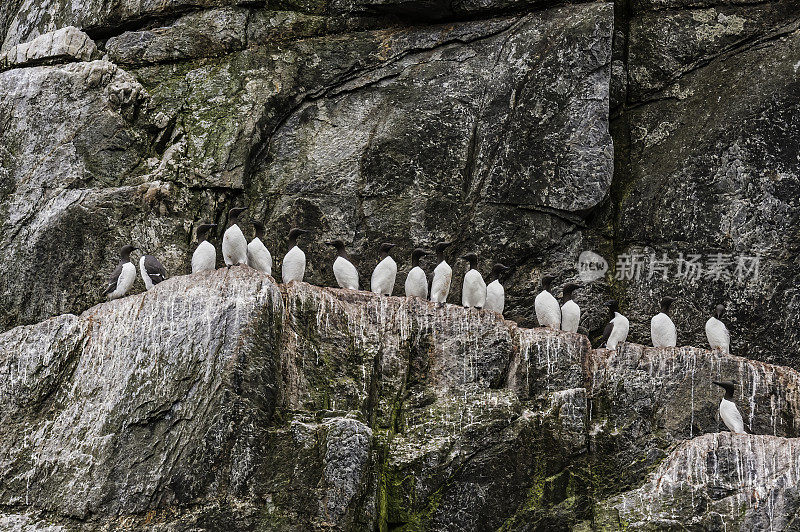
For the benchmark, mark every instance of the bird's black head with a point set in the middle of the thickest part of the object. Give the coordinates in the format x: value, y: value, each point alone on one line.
x: 719, y: 311
x: 415, y: 256
x: 499, y: 269
x: 666, y: 302
x: 728, y: 386
x: 441, y: 246
x: 547, y: 281
x: 233, y: 214
x: 202, y: 231
x: 338, y: 244
x: 125, y: 251
x: 568, y: 289
x: 613, y: 305
x: 259, y: 228
x: 296, y: 232
x: 418, y: 252
x: 385, y: 248
x: 472, y: 258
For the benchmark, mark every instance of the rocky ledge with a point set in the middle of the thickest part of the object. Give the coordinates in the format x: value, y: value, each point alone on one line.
x: 225, y: 401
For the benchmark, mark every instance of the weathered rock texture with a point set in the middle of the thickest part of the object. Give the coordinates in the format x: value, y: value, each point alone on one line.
x: 221, y: 400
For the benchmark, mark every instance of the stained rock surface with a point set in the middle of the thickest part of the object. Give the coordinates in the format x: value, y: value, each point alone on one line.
x: 224, y: 400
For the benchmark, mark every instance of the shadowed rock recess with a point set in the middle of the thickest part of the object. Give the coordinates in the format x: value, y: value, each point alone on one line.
x: 523, y: 130
x: 222, y: 401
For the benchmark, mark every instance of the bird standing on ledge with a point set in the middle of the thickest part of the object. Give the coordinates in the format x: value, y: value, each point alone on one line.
x: 416, y: 281
x: 234, y: 244
x: 294, y: 262
x: 205, y: 256
x: 548, y: 311
x: 385, y: 272
x: 345, y: 272
x: 123, y: 276
x: 727, y: 409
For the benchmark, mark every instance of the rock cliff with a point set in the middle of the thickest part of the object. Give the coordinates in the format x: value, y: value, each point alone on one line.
x: 523, y: 130
x: 224, y: 401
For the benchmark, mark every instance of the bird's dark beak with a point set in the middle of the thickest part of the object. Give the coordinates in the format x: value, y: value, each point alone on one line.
x: 717, y: 383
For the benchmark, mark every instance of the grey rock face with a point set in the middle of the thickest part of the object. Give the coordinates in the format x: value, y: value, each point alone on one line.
x: 66, y: 44
x: 222, y: 398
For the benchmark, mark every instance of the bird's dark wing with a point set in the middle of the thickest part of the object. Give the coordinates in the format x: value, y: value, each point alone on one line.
x: 154, y: 269
x: 112, y: 280
x: 606, y: 334
x: 430, y: 282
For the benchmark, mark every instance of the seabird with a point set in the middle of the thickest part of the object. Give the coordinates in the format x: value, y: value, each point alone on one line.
x: 416, y: 281
x: 258, y: 255
x: 234, y: 244
x: 570, y: 311
x: 123, y: 276
x: 662, y: 330
x: 385, y: 272
x: 294, y: 262
x: 727, y: 409
x: 495, y: 293
x: 473, y: 290
x: 344, y: 271
x: 442, y: 274
x: 717, y: 333
x: 153, y: 272
x: 548, y: 311
x: 616, y: 330
x: 205, y: 256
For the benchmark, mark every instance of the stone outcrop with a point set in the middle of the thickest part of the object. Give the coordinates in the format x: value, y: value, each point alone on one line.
x: 224, y: 398
x: 66, y: 44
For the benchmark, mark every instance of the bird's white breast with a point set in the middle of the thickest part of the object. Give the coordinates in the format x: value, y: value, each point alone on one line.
x: 473, y: 291
x: 258, y: 256
x: 294, y: 265
x: 383, y: 276
x: 663, y: 331
x: 345, y: 273
x: 440, y: 287
x: 731, y: 416
x: 570, y: 316
x: 148, y: 283
x: 718, y: 335
x: 548, y: 312
x: 204, y: 257
x: 619, y: 332
x: 495, y: 297
x: 234, y: 246
x: 124, y: 281
x: 417, y: 283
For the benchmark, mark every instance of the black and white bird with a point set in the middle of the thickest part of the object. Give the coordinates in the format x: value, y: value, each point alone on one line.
x: 662, y: 330
x: 727, y: 408
x: 345, y: 272
x: 416, y: 281
x: 258, y: 256
x: 234, y: 244
x: 385, y: 273
x: 152, y: 271
x: 495, y: 293
x: 473, y: 290
x: 616, y: 330
x: 716, y: 332
x: 294, y: 262
x: 205, y: 256
x: 548, y: 311
x: 123, y: 276
x: 442, y: 275
x: 570, y: 311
